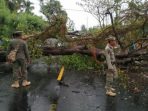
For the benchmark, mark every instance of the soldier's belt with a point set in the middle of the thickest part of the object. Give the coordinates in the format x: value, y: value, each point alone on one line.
x: 113, y: 63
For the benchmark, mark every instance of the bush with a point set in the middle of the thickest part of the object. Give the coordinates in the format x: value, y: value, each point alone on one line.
x: 35, y: 48
x: 78, y: 62
x: 123, y: 79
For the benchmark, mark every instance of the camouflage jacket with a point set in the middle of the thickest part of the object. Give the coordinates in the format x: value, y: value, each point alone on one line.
x: 22, y: 52
x: 110, y: 56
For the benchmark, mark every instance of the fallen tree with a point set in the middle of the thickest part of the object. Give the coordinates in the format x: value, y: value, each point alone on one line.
x: 47, y: 51
x: 47, y: 33
x: 122, y: 59
x: 69, y: 51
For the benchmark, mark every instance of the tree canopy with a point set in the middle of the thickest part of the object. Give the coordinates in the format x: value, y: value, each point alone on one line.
x: 17, y: 15
x: 128, y: 22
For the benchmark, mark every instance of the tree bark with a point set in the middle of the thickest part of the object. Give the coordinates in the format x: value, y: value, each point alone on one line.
x: 69, y: 51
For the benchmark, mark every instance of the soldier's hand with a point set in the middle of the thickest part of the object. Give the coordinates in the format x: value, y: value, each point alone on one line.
x: 7, y: 62
x: 111, y: 70
x: 29, y: 61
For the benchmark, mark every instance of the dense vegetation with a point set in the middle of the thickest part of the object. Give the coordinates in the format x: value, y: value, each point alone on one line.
x: 15, y: 17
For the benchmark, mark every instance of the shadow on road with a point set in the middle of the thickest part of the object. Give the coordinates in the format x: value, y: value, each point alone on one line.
x: 110, y: 104
x: 20, y: 100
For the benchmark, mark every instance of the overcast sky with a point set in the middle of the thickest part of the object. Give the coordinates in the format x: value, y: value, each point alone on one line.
x: 79, y: 17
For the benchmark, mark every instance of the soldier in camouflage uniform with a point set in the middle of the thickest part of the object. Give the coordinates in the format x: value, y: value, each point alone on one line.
x: 22, y: 57
x: 112, y: 71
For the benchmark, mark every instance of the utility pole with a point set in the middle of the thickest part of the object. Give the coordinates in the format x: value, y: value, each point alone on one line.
x: 87, y: 22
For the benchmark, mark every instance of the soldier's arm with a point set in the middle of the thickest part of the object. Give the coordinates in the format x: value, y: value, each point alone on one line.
x: 108, y: 59
x: 26, y: 52
x: 9, y: 48
x: 8, y: 51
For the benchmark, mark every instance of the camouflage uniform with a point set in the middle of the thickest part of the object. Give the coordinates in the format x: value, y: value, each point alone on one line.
x: 112, y: 71
x: 19, y: 66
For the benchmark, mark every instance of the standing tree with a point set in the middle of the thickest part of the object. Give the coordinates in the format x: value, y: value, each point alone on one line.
x: 11, y: 20
x: 28, y: 6
x: 97, y: 8
x: 14, y: 5
x: 56, y: 17
x: 70, y: 25
x: 83, y: 29
x: 52, y: 9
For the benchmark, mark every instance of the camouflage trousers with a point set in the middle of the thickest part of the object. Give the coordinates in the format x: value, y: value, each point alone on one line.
x: 19, y: 69
x: 111, y: 75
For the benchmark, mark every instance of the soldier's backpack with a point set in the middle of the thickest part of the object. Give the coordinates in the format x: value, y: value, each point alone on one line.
x: 12, y: 55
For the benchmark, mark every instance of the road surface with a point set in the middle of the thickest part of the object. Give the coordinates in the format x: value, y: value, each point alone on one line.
x: 84, y: 91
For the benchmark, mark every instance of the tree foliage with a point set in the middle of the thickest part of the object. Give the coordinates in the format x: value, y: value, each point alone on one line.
x: 56, y: 17
x: 19, y: 5
x: 79, y: 62
x: 129, y: 18
x: 10, y: 20
x: 97, y: 8
x: 70, y: 25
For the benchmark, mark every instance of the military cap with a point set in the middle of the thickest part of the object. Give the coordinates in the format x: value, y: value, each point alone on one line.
x: 17, y: 33
x: 110, y: 38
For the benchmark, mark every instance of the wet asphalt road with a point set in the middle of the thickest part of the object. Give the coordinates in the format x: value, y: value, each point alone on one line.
x: 85, y: 92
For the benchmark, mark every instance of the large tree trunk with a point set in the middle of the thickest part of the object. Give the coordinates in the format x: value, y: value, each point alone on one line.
x: 69, y: 51
x: 121, y: 58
